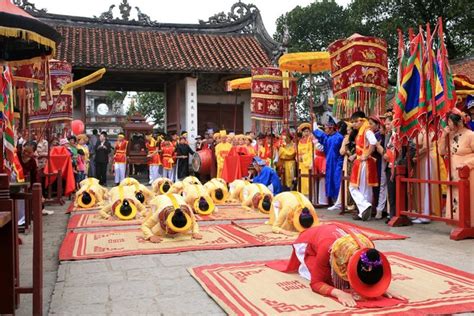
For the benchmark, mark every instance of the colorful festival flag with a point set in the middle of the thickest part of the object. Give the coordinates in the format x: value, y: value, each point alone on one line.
x: 410, y: 97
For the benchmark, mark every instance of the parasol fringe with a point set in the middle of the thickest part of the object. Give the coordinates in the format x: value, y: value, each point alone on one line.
x: 29, y: 36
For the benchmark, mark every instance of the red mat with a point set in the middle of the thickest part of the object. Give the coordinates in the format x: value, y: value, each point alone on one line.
x: 263, y: 233
x: 71, y: 208
x: 252, y: 288
x: 94, y: 220
x: 228, y: 212
x: 129, y: 242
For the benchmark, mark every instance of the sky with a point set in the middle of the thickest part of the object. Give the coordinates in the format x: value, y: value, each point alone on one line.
x: 174, y: 11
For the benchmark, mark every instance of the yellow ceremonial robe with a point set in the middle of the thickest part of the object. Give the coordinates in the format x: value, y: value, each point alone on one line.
x: 305, y: 159
x: 222, y: 150
x: 287, y: 156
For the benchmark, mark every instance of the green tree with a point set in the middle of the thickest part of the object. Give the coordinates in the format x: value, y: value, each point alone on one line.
x: 152, y: 106
x: 314, y: 27
x: 381, y: 18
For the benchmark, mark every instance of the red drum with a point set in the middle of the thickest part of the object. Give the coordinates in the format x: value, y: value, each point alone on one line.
x: 202, y: 161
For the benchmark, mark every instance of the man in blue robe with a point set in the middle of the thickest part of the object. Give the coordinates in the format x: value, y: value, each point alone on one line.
x: 266, y: 175
x: 470, y: 110
x: 331, y: 139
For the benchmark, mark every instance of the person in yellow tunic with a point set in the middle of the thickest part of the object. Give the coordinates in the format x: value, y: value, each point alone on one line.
x: 90, y: 194
x: 82, y: 140
x: 287, y: 156
x: 292, y: 213
x: 305, y: 155
x: 123, y: 205
x: 171, y: 217
x: 222, y: 150
x: 142, y: 193
x: 161, y: 186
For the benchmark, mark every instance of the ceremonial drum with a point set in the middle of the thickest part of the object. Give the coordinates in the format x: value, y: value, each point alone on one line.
x: 202, y: 161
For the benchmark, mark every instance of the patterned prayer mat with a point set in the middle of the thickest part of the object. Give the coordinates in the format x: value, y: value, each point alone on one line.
x: 263, y: 233
x: 92, y: 219
x: 252, y: 288
x: 231, y: 212
x: 71, y: 208
x: 129, y: 242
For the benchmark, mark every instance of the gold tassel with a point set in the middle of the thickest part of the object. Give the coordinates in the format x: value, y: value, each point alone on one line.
x: 29, y: 36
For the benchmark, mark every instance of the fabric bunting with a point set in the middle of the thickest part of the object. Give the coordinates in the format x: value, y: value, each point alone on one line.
x: 6, y: 107
x: 410, y: 97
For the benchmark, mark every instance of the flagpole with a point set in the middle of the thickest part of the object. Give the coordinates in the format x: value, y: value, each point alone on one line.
x: 445, y: 97
x: 433, y: 108
x: 427, y: 130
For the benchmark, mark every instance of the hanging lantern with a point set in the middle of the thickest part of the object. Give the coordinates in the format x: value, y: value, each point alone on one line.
x: 360, y: 75
x: 267, y: 96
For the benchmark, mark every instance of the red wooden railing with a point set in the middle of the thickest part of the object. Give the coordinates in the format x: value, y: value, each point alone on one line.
x: 464, y: 227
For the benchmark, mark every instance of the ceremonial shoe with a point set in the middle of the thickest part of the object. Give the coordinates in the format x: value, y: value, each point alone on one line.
x: 335, y: 207
x: 351, y: 207
x: 366, y: 214
x: 46, y: 212
x: 378, y: 215
x: 421, y: 221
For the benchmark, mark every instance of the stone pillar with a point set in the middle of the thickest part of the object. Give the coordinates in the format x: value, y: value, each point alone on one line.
x: 190, y: 97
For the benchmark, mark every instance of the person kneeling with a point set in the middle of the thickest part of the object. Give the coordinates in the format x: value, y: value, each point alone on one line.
x: 292, y: 213
x: 340, y: 262
x: 123, y: 205
x: 171, y: 217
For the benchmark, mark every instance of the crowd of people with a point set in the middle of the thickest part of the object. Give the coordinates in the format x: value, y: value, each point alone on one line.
x: 361, y: 149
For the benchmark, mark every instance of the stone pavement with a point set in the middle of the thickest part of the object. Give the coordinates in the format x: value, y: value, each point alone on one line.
x: 160, y: 284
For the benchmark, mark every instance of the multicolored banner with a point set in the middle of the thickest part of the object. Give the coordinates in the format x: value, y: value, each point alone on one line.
x: 60, y: 73
x: 7, y: 110
x: 410, y: 97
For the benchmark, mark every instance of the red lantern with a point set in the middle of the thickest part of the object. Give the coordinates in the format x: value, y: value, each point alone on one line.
x: 77, y: 127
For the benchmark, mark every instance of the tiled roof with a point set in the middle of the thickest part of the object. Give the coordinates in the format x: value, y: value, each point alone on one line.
x: 127, y: 48
x: 464, y: 67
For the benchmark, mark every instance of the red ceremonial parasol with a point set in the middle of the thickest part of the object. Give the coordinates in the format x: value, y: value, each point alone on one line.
x: 22, y: 36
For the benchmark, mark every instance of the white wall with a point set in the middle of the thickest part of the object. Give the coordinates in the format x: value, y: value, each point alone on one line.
x: 191, y: 109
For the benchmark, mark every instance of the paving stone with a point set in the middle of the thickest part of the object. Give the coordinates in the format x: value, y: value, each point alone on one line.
x: 122, y: 264
x: 138, y: 306
x: 92, y: 279
x: 85, y: 295
x: 61, y: 273
x: 173, y: 287
x: 179, y: 259
x: 184, y: 305
x: 91, y: 309
x: 85, y: 267
x: 136, y: 290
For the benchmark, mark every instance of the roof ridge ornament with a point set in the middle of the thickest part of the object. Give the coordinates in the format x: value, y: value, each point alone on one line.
x: 238, y: 12
x: 125, y: 9
x: 28, y: 6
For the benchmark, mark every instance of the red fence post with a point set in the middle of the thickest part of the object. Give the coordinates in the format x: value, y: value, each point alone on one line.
x: 400, y: 195
x: 464, y: 229
x: 37, y: 250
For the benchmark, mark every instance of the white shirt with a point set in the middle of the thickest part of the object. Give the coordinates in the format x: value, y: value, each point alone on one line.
x: 370, y: 137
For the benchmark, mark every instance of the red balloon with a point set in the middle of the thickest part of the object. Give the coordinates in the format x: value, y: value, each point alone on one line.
x: 77, y: 127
